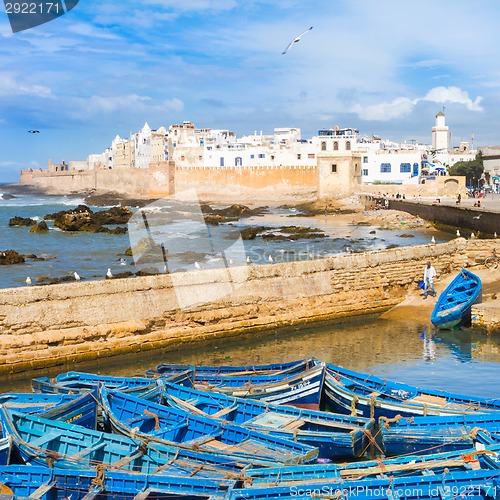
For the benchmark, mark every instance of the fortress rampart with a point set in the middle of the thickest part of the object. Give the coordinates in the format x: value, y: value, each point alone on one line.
x: 43, y: 326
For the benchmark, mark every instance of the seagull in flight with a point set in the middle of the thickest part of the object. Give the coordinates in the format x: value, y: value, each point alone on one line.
x: 296, y: 39
x: 477, y: 216
x: 34, y: 131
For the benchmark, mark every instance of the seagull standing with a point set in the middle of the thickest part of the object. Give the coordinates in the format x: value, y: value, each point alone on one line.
x: 197, y: 265
x: 296, y: 39
x: 458, y: 232
x: 270, y: 258
x: 109, y: 274
x: 77, y: 276
x: 495, y: 235
x: 28, y: 280
x: 433, y: 240
x: 472, y: 235
x: 249, y: 260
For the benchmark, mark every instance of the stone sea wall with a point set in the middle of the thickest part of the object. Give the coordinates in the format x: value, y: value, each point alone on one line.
x: 45, y: 326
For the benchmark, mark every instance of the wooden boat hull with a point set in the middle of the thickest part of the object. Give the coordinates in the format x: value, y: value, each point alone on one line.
x: 203, y: 371
x: 129, y: 415
x: 453, y: 307
x: 27, y: 481
x: 434, y: 434
x: 41, y: 441
x: 350, y: 392
x: 335, y: 436
x: 302, y: 389
x: 81, y: 382
x: 79, y: 409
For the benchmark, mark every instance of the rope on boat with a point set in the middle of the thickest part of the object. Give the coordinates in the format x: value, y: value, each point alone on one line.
x: 155, y: 416
x: 98, y: 480
x: 355, y: 400
x: 386, y: 422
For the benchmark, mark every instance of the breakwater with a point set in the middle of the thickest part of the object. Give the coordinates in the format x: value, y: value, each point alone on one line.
x: 474, y: 219
x: 45, y: 326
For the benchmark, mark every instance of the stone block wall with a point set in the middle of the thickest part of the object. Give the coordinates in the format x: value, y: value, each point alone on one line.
x: 52, y: 325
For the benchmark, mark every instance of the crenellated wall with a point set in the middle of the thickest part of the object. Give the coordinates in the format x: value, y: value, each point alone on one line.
x: 44, y: 326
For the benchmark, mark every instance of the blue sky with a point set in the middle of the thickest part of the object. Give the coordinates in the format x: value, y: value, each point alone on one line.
x: 383, y: 67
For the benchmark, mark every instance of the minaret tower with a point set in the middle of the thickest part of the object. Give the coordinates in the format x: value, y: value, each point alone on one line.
x: 440, y: 134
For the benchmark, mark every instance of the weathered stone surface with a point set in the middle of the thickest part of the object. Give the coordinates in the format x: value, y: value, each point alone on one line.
x: 40, y: 228
x: 21, y: 221
x: 10, y: 257
x: 45, y: 326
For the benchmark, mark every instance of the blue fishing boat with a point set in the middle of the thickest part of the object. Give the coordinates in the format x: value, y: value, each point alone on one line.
x: 41, y: 442
x: 361, y: 394
x: 79, y: 409
x: 408, y: 465
x: 152, y: 422
x: 435, y: 433
x: 302, y: 389
x: 447, y: 485
x: 47, y: 484
x: 5, y: 450
x: 79, y: 382
x: 453, y: 307
x: 336, y: 436
x: 202, y: 371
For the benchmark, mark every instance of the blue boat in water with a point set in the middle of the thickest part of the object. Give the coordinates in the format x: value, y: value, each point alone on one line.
x: 336, y: 436
x: 433, y: 434
x: 152, y: 422
x: 43, y: 483
x: 41, y: 441
x: 366, y: 395
x: 454, y: 305
x: 79, y: 382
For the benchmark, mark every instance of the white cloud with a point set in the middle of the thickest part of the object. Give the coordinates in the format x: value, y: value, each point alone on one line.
x: 453, y: 95
x: 86, y: 29
x: 184, y: 5
x: 9, y: 86
x: 403, y: 106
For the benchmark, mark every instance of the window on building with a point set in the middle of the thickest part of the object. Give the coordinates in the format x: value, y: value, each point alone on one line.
x: 323, y: 146
x: 310, y: 155
x: 238, y: 162
x: 221, y: 161
x: 183, y: 157
x: 405, y: 168
x: 252, y: 156
x: 365, y: 159
x: 272, y: 157
x: 385, y: 167
x: 299, y: 156
x: 261, y: 155
x: 335, y: 146
x: 415, y: 169
x: 348, y: 145
x: 334, y: 168
x: 364, y: 172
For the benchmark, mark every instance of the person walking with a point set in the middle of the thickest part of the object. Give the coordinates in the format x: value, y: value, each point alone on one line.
x: 429, y: 275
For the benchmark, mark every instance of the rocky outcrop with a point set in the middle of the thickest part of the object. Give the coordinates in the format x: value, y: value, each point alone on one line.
x: 21, y: 221
x: 82, y: 218
x: 40, y: 228
x: 10, y: 257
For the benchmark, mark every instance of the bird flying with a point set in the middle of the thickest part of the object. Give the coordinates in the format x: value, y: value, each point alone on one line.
x: 296, y: 39
x: 34, y: 131
x: 477, y: 216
